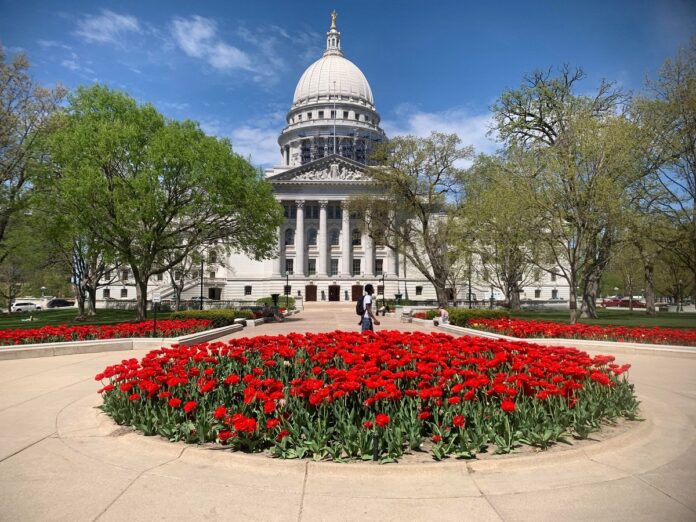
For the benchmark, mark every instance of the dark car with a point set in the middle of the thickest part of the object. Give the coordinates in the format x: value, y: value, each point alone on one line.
x: 59, y: 303
x: 611, y: 301
x: 626, y: 303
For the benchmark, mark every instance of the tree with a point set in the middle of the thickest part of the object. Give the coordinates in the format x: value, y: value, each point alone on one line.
x: 155, y: 190
x: 582, y: 170
x: 498, y: 212
x: 25, y: 110
x: 416, y: 214
x: 671, y: 114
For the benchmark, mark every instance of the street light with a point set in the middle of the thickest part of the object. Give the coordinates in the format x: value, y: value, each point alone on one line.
x: 43, y: 291
x: 201, y: 280
x: 287, y: 289
x: 492, y: 299
x: 680, y: 303
x: 384, y: 294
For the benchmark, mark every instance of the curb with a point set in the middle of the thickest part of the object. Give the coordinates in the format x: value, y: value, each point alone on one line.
x: 30, y: 351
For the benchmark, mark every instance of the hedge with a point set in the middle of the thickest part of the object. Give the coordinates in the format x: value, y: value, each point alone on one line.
x: 219, y: 318
x: 462, y: 316
x: 281, y: 301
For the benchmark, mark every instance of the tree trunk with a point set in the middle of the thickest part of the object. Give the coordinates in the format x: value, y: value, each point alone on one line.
x: 589, y: 297
x: 177, y: 298
x: 515, y: 299
x: 649, y: 289
x: 141, y: 300
x: 441, y: 293
x: 91, y: 308
x: 573, y: 301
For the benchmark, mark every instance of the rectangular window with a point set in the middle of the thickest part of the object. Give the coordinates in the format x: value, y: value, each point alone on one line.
x: 380, y: 290
x: 334, y: 267
x: 356, y: 266
x: 345, y: 115
x: 553, y: 277
x: 107, y: 293
x: 212, y: 258
x: 211, y: 275
x: 124, y: 293
x: 312, y: 211
x: 537, y: 275
x: 419, y: 290
x: 537, y: 293
x: 287, y: 289
x: 178, y: 275
x: 289, y: 265
x: 333, y: 114
x: 107, y: 275
x: 357, y: 116
x: 247, y: 290
x: 124, y: 275
x: 194, y: 274
x: 160, y: 277
x: 299, y: 117
x: 379, y: 266
x: 554, y: 294
x: 321, y: 115
x: 309, y: 115
x: 312, y: 266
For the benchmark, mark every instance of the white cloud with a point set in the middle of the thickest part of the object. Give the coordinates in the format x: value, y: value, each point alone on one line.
x: 197, y: 37
x: 471, y: 128
x: 52, y: 43
x: 73, y: 65
x: 108, y: 27
x: 70, y: 64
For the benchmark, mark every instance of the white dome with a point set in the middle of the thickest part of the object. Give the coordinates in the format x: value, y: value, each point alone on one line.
x: 318, y: 81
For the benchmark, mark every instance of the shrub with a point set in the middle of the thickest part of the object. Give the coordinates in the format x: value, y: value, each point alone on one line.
x: 218, y: 317
x: 281, y: 301
x: 462, y: 316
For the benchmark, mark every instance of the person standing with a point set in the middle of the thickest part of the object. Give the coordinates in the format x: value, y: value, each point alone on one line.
x: 368, y: 317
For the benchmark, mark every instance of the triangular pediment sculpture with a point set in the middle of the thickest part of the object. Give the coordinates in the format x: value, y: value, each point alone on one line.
x: 331, y: 169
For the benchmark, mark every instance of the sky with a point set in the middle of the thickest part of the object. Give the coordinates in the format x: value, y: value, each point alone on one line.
x: 438, y: 65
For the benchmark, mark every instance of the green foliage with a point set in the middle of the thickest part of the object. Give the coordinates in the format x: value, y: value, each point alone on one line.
x: 281, y: 301
x: 158, y: 190
x: 462, y: 316
x: 218, y: 317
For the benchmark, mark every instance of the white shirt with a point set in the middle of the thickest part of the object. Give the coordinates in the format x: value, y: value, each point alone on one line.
x: 367, y: 300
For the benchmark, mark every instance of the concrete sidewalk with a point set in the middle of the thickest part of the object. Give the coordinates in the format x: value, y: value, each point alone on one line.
x: 60, y: 459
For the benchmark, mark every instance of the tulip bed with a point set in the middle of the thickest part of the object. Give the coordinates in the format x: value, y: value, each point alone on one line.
x: 61, y: 333
x: 345, y: 395
x: 523, y: 329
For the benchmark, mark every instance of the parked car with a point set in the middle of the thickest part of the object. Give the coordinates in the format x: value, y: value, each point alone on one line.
x: 24, y: 306
x: 611, y: 301
x: 626, y: 303
x: 59, y: 303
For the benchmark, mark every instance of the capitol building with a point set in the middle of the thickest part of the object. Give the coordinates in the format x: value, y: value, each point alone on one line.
x: 323, y: 253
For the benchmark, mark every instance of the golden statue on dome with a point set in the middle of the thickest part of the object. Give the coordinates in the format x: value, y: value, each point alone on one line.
x: 333, y: 19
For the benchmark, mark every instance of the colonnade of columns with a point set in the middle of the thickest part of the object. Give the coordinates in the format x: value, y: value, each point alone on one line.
x: 323, y: 247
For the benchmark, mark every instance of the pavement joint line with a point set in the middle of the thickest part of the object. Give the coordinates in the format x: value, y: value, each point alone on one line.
x: 135, y: 479
x: 471, y: 473
x: 44, y: 394
x: 304, y: 488
x: 27, y: 447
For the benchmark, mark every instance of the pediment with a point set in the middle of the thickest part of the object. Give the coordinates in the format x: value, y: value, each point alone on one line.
x: 331, y: 169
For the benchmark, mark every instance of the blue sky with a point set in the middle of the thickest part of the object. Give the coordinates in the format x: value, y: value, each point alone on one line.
x: 233, y: 65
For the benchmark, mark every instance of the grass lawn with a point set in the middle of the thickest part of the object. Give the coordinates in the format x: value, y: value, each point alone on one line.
x: 66, y: 316
x: 616, y: 318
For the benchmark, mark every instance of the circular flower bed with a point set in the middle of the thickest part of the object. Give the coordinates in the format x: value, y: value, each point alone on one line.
x: 61, y: 333
x: 362, y: 396
x: 522, y: 329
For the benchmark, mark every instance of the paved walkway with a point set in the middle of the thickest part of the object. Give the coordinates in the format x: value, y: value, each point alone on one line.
x: 60, y: 459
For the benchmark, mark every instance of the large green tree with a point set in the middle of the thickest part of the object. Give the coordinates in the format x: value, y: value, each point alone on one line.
x: 25, y: 111
x: 416, y: 213
x: 582, y: 171
x: 155, y: 190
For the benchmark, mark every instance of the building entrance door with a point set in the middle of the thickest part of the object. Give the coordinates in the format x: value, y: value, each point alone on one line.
x: 310, y: 293
x: 334, y: 293
x: 356, y: 292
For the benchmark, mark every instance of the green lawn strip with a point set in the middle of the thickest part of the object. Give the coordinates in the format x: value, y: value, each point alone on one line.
x: 67, y: 316
x: 615, y: 318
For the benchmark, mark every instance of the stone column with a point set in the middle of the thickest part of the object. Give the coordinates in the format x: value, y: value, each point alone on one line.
x: 299, y: 267
x: 369, y: 249
x: 346, y: 242
x: 322, y: 240
x: 279, y: 265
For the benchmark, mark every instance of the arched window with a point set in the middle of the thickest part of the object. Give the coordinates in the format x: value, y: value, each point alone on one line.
x: 312, y: 237
x: 289, y: 236
x: 333, y: 237
x: 356, y: 237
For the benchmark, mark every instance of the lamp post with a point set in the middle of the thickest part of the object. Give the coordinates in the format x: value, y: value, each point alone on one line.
x: 469, y: 297
x: 201, y: 281
x: 492, y: 298
x: 287, y: 289
x: 680, y: 305
x: 43, y: 291
x: 384, y: 293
